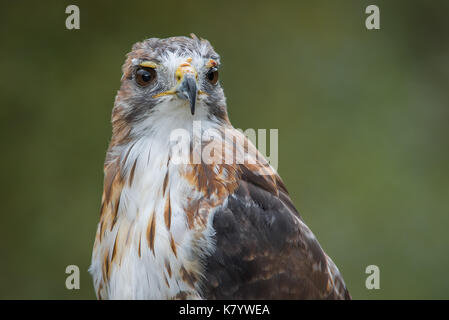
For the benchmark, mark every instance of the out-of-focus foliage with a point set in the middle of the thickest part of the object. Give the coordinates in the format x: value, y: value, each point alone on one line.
x: 363, y: 119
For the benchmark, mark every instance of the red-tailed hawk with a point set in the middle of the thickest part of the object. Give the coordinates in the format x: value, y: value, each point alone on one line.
x: 208, y: 227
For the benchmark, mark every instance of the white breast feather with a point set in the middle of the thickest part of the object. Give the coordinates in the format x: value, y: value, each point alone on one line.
x: 143, y: 277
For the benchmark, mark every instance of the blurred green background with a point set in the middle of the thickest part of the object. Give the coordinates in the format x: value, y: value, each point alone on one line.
x: 363, y: 119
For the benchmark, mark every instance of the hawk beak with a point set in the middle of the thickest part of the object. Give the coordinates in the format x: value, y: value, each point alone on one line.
x: 187, y: 90
x: 186, y: 87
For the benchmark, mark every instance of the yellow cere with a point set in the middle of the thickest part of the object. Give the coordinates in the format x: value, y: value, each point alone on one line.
x: 185, y: 68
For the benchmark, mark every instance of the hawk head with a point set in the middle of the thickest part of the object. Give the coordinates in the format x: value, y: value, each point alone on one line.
x: 174, y: 78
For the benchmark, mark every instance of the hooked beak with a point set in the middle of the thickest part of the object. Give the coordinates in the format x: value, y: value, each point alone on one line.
x: 187, y: 90
x: 186, y: 87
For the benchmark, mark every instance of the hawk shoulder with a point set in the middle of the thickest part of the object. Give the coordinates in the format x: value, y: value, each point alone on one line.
x: 264, y: 250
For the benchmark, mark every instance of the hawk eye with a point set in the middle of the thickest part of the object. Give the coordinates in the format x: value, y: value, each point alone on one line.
x: 145, y: 76
x: 212, y: 75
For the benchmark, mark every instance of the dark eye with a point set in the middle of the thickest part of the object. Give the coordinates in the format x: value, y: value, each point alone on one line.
x: 145, y: 76
x: 212, y: 75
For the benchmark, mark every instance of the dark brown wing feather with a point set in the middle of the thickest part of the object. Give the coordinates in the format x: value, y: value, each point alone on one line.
x: 263, y: 251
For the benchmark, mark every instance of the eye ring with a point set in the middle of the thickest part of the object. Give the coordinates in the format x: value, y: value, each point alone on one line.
x: 212, y: 75
x: 145, y: 76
